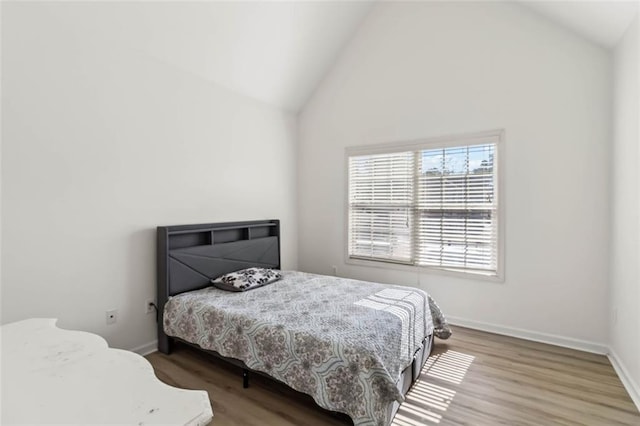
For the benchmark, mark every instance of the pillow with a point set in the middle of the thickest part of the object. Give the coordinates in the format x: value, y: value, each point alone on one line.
x: 246, y: 279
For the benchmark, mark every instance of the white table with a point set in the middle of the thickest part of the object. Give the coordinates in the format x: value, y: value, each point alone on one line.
x: 55, y: 376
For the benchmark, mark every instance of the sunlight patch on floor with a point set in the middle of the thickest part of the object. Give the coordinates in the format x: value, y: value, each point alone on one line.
x: 450, y: 366
x: 426, y: 402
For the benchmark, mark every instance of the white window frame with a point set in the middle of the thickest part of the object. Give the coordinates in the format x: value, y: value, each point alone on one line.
x: 491, y: 136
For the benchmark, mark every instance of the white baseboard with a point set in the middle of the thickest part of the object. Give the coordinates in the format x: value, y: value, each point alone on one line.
x: 146, y: 349
x: 629, y: 384
x: 552, y: 339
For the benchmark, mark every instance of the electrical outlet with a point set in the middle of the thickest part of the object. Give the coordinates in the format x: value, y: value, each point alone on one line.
x: 334, y: 269
x: 149, y: 306
x: 112, y: 316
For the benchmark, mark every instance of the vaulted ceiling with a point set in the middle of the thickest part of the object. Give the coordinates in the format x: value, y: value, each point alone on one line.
x: 602, y: 22
x: 277, y: 52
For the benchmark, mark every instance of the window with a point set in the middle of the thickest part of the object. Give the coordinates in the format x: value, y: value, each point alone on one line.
x: 432, y: 204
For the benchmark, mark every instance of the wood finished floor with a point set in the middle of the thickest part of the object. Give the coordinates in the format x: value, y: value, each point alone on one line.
x: 474, y: 378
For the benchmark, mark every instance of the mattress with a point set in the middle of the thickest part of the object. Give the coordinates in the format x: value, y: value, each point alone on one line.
x: 342, y: 341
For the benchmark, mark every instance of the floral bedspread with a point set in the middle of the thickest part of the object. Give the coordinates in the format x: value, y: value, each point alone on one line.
x: 344, y: 342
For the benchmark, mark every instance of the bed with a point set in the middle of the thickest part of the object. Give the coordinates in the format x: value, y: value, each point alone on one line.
x: 355, y: 347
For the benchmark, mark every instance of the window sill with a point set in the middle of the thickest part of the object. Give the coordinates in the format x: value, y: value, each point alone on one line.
x: 478, y: 276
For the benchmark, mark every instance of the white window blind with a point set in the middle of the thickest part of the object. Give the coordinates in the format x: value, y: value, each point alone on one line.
x: 428, y: 206
x: 381, y: 206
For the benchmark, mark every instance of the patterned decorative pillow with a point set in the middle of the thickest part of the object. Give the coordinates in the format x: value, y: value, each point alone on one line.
x: 246, y: 279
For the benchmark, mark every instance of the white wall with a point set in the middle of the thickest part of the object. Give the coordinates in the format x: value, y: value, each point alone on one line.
x: 418, y: 70
x: 625, y: 234
x: 101, y: 144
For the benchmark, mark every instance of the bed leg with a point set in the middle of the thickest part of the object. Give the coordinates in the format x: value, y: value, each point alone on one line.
x: 245, y: 378
x: 165, y: 344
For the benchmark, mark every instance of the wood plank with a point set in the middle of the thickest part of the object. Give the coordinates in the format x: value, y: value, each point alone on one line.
x: 474, y: 378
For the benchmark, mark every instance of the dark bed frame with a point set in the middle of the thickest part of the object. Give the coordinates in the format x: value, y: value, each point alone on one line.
x: 189, y: 256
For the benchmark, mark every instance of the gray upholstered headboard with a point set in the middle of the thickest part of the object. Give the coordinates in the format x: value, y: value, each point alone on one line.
x: 190, y: 255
